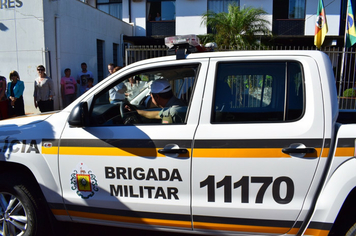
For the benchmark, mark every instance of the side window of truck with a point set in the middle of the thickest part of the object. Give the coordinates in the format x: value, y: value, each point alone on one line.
x: 108, y: 108
x: 258, y: 92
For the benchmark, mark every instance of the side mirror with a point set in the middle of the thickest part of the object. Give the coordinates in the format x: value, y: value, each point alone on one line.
x: 78, y: 117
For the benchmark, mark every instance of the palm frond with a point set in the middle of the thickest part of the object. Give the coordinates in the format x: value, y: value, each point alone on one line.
x: 237, y: 27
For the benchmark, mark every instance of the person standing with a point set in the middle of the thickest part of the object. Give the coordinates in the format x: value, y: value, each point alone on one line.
x: 111, y: 67
x: 90, y: 84
x: 44, y: 91
x: 68, y: 88
x: 134, y: 86
x: 158, y: 17
x: 14, y: 92
x: 117, y: 93
x: 3, y: 99
x: 82, y: 78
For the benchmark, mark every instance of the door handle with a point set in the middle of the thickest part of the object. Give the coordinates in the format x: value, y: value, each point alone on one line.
x: 298, y: 150
x: 173, y: 151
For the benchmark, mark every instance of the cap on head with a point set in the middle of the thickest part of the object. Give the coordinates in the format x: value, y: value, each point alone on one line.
x: 160, y: 86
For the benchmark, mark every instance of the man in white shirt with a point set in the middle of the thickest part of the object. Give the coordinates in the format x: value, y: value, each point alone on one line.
x: 117, y: 93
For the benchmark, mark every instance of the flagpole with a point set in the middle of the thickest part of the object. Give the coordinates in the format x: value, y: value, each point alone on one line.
x: 343, y: 50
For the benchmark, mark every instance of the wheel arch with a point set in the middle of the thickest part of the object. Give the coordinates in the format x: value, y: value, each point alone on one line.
x: 25, y: 174
x: 337, y: 195
x: 344, y: 219
x: 22, y: 177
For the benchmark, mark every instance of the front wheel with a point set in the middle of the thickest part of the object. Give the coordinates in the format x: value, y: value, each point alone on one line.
x: 19, y: 212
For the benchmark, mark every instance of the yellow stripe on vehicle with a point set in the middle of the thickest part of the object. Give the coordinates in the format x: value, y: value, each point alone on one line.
x: 103, y: 151
x: 198, y: 152
x: 344, y: 151
x: 245, y: 153
x: 317, y: 232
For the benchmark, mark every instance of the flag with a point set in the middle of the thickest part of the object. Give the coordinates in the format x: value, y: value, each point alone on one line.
x: 321, y: 27
x: 350, y: 26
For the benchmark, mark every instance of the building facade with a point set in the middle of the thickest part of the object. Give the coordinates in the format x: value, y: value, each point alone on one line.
x: 291, y: 21
x: 63, y: 34
x: 57, y: 34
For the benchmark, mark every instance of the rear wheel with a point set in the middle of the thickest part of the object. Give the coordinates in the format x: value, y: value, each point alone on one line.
x: 19, y: 211
x: 352, y: 231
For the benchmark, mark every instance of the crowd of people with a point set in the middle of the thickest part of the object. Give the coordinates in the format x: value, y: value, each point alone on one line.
x: 11, y: 93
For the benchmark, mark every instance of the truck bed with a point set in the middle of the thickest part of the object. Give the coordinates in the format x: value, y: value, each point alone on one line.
x: 347, y: 117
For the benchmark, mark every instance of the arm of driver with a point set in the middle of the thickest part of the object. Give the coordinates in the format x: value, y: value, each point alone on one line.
x: 149, y: 114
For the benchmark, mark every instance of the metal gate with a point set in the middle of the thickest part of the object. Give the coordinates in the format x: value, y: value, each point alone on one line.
x: 138, y: 53
x: 345, y: 76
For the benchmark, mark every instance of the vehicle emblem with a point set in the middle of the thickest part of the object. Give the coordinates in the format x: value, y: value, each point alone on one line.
x: 84, y: 181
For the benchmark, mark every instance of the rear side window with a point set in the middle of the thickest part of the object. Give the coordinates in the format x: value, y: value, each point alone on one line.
x: 258, y: 92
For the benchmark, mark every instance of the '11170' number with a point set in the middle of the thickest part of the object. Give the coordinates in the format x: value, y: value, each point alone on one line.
x: 244, y: 183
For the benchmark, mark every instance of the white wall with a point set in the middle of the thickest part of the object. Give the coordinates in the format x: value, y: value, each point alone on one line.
x: 138, y: 17
x: 266, y: 5
x: 22, y: 45
x: 126, y: 11
x: 189, y: 16
x: 29, y: 38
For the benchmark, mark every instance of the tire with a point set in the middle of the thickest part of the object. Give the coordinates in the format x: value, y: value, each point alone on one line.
x: 19, y: 211
x: 351, y: 231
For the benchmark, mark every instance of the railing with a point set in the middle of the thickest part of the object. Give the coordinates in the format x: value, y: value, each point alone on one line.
x: 345, y: 76
x: 138, y: 53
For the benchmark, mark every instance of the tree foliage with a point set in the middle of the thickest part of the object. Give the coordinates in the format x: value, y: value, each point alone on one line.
x: 237, y: 27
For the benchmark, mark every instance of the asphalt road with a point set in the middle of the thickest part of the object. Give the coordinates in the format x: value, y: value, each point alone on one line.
x: 72, y: 229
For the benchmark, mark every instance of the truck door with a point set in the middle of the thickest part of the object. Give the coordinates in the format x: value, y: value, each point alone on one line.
x: 122, y: 169
x: 256, y: 153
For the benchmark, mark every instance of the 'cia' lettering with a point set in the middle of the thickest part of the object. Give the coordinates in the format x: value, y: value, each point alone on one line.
x: 15, y: 146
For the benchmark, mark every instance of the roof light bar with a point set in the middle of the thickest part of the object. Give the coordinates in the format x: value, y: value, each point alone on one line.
x: 181, y: 45
x: 191, y: 39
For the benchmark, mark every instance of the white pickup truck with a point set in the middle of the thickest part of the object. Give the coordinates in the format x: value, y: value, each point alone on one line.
x: 260, y: 152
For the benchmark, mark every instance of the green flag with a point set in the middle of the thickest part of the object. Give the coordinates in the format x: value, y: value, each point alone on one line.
x: 350, y: 26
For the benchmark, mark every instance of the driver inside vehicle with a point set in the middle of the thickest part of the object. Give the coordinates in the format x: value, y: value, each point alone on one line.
x: 173, y: 109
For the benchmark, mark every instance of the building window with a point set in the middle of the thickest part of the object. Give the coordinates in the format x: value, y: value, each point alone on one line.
x: 296, y: 9
x: 100, y: 59
x: 218, y: 6
x: 112, y: 7
x: 161, y: 10
x: 292, y: 9
x: 288, y: 17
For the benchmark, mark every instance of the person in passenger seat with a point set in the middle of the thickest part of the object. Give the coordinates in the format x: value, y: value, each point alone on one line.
x: 173, y: 109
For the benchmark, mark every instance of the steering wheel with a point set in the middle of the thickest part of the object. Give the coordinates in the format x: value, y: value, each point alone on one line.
x: 122, y: 108
x: 132, y: 118
x: 129, y: 117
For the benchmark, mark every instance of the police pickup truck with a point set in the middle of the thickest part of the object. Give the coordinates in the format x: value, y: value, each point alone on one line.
x: 260, y: 151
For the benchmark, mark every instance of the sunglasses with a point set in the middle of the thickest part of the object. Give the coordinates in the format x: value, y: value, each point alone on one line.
x: 40, y: 69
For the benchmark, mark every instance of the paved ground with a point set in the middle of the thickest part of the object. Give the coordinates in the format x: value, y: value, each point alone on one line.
x: 93, y: 230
